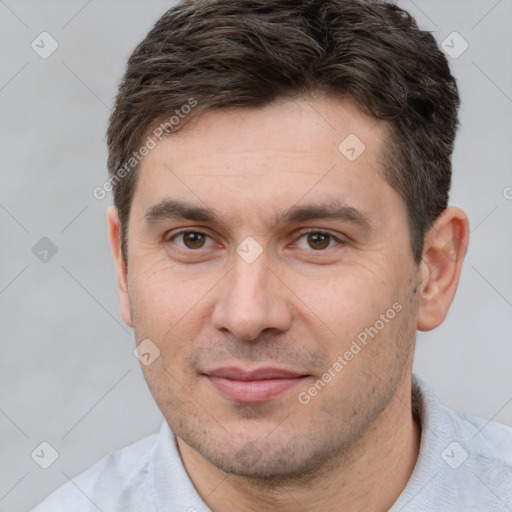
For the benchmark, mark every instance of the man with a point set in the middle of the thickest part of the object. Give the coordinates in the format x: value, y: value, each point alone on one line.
x: 281, y: 230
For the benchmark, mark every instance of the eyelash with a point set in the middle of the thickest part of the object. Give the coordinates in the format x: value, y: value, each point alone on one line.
x: 301, y: 233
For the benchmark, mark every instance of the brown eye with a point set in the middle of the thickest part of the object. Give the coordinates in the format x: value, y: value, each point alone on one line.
x: 193, y: 240
x: 190, y: 239
x: 318, y: 241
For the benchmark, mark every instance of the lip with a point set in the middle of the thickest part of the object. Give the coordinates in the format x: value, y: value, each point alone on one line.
x: 253, y: 386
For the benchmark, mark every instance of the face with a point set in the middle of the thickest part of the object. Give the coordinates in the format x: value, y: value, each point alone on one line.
x: 270, y: 264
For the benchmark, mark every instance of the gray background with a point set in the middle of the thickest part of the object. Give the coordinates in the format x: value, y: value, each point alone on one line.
x: 67, y: 372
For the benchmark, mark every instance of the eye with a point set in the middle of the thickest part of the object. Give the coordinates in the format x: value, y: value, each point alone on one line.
x: 191, y: 240
x: 314, y: 239
x: 317, y: 240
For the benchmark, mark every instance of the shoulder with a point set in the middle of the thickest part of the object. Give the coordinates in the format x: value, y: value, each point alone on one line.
x: 486, y: 438
x: 465, y: 461
x: 486, y: 446
x: 481, y: 437
x: 116, y: 482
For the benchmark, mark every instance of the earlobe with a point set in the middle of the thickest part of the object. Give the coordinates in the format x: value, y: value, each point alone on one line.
x: 443, y: 255
x: 120, y: 264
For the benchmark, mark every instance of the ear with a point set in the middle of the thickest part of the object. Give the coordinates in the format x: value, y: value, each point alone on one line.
x: 443, y: 254
x: 121, y: 267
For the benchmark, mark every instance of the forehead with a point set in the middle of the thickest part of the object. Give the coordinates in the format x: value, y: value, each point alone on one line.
x: 257, y: 159
x: 313, y: 123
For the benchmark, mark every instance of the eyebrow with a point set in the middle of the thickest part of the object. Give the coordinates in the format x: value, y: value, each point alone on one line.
x: 171, y: 209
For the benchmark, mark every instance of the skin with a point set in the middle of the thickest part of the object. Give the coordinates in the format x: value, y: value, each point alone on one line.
x: 298, y: 305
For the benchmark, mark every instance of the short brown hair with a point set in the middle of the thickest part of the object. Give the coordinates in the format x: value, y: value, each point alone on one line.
x: 223, y: 53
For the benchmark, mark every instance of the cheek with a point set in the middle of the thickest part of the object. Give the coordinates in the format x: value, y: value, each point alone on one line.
x: 160, y: 297
x: 171, y: 310
x: 371, y: 334
x: 348, y: 300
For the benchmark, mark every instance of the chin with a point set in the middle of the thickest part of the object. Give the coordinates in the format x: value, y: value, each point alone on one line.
x: 281, y: 460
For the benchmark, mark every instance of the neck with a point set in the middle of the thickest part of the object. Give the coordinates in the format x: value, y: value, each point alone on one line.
x: 370, y: 475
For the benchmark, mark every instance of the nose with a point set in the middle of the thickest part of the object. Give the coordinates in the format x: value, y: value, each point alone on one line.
x: 251, y: 298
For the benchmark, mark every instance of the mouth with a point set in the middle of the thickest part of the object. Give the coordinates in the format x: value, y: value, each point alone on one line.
x: 253, y: 386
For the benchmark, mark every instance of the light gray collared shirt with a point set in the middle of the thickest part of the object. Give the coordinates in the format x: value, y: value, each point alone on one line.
x: 464, y: 465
